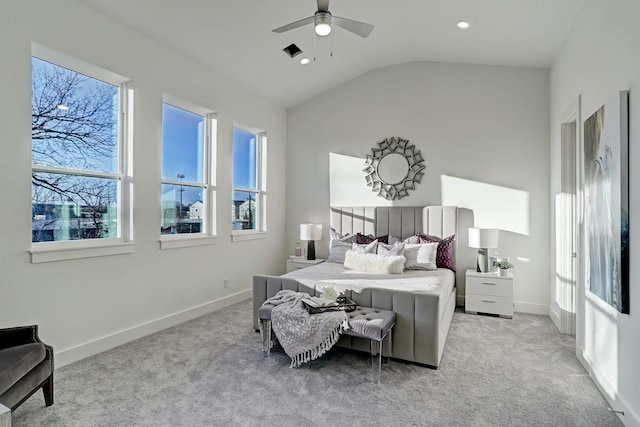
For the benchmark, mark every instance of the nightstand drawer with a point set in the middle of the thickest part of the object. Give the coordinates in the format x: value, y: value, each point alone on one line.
x: 489, y: 304
x: 293, y: 266
x: 299, y: 263
x: 490, y: 285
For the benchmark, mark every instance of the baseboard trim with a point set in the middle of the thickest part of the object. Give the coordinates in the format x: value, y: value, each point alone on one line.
x: 615, y: 401
x: 98, y: 345
x: 554, y: 315
x: 525, y: 307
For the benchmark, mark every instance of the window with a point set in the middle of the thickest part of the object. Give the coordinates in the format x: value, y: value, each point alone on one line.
x: 249, y: 183
x: 188, y: 191
x: 79, y: 188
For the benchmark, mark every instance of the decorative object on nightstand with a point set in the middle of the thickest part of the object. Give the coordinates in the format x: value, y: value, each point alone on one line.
x: 298, y: 251
x: 483, y: 239
x: 311, y: 232
x: 488, y: 293
x: 503, y: 267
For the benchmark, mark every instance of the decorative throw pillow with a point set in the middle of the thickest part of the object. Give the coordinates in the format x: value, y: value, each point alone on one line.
x: 372, y: 263
x: 334, y: 235
x: 391, y: 250
x: 337, y: 251
x: 393, y: 240
x: 412, y: 240
x: 444, y: 258
x: 420, y: 256
x: 369, y: 248
x: 362, y: 239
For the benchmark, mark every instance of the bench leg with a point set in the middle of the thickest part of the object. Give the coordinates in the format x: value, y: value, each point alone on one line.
x: 380, y: 359
x: 266, y: 337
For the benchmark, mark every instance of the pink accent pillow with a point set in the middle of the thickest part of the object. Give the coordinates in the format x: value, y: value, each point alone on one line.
x: 444, y: 257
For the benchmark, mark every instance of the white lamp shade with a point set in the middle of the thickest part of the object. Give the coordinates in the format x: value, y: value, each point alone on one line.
x: 483, y: 237
x: 310, y: 231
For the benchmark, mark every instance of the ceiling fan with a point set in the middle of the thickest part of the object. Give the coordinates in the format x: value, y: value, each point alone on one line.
x: 323, y: 19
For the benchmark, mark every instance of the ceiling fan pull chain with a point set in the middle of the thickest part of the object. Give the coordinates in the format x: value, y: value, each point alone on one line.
x: 331, y: 44
x: 315, y: 37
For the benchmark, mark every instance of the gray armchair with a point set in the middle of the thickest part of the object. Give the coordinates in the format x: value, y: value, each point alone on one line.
x: 26, y: 365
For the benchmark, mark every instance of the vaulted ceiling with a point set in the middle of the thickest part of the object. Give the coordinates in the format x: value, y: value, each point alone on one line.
x: 234, y: 37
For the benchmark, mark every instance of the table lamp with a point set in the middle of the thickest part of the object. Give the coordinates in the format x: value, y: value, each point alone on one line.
x: 311, y: 232
x: 482, y: 239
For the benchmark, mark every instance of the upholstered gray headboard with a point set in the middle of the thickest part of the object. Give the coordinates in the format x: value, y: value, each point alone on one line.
x: 401, y: 222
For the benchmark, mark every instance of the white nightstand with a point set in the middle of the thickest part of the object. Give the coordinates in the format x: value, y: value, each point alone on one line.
x: 298, y: 263
x: 488, y: 293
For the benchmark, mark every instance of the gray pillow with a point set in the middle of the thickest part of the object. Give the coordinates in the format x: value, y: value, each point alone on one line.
x: 337, y: 251
x: 334, y: 235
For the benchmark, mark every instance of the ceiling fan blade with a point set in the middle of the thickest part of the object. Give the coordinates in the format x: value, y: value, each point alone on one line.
x: 360, y: 28
x: 293, y: 25
x: 323, y: 5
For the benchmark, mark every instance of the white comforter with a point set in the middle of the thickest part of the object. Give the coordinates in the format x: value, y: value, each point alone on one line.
x: 440, y: 281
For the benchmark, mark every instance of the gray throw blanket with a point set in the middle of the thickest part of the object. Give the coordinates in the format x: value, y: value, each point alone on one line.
x: 304, y: 336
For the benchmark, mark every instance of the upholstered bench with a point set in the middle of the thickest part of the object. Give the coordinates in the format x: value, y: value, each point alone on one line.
x: 364, y: 322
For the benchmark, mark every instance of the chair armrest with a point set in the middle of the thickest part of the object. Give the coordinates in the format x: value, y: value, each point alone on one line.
x: 11, y: 337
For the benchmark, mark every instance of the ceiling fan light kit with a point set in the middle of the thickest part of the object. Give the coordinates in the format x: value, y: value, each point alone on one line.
x: 322, y: 21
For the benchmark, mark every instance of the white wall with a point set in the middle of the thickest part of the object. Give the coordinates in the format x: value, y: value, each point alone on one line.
x: 599, y: 58
x: 84, y: 306
x: 482, y: 130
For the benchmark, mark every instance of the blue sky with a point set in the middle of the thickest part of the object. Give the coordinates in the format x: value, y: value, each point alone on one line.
x: 182, y: 142
x: 181, y: 138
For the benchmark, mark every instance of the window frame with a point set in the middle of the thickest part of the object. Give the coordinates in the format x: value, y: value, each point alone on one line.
x: 209, y: 221
x: 87, y: 248
x: 260, y: 231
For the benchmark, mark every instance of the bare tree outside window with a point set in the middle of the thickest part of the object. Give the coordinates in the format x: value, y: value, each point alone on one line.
x: 75, y: 173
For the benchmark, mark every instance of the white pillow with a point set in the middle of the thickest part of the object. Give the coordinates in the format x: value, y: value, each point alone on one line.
x: 368, y: 248
x: 421, y: 256
x: 372, y: 263
x: 388, y: 250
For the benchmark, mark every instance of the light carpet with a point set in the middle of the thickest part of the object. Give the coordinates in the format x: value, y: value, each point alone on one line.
x: 210, y: 372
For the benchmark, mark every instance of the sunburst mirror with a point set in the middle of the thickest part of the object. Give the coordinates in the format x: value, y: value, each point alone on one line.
x: 394, y: 168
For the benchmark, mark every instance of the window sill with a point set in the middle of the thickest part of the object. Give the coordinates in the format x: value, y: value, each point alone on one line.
x: 62, y: 253
x: 186, y: 241
x: 248, y: 235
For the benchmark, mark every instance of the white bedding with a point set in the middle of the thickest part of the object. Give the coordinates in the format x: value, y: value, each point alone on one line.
x: 440, y: 281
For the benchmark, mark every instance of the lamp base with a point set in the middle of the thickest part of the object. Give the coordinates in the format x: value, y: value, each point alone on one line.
x: 483, y: 261
x: 311, y: 250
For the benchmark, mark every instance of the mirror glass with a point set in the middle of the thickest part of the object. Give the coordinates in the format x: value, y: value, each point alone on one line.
x: 393, y: 168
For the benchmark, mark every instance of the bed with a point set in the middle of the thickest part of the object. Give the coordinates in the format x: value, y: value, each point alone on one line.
x: 424, y: 301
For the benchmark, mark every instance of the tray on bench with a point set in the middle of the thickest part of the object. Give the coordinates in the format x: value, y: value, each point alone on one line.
x: 344, y: 304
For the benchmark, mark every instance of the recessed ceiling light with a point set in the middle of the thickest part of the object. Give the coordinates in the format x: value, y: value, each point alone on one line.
x: 462, y: 24
x: 304, y: 61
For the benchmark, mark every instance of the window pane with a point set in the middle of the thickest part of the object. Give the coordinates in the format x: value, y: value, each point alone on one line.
x: 67, y: 207
x: 244, y: 210
x: 74, y: 119
x: 182, y: 209
x: 244, y: 159
x: 182, y: 144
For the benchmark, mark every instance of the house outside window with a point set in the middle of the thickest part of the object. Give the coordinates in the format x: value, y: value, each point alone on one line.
x: 188, y: 187
x: 249, y: 182
x: 79, y: 182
